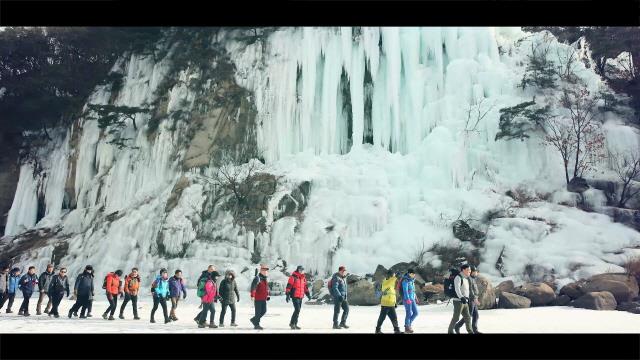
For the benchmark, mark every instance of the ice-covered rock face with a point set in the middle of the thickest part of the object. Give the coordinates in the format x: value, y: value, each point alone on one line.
x: 384, y: 124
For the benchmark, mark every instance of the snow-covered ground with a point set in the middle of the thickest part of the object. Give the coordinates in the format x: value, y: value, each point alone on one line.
x: 318, y: 319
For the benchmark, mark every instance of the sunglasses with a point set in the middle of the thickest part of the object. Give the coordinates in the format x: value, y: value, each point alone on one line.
x: 63, y: 272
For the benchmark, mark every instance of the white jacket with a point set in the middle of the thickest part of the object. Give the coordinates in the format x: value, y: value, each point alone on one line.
x: 461, y: 285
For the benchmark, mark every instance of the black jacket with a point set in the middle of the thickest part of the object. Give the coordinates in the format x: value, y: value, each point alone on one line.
x: 227, y: 290
x: 59, y: 285
x: 45, y: 280
x: 84, y: 284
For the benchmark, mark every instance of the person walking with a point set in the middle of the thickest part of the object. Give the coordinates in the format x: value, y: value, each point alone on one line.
x: 12, y: 287
x: 160, y: 290
x: 295, y: 291
x: 4, y: 284
x: 229, y: 293
x: 58, y: 285
x: 461, y: 301
x: 388, y: 303
x: 408, y: 289
x: 131, y: 288
x: 176, y: 288
x: 338, y: 291
x: 43, y: 287
x: 83, y: 291
x: 112, y: 286
x: 260, y: 296
x: 208, y: 292
x: 27, y: 285
x: 474, y: 302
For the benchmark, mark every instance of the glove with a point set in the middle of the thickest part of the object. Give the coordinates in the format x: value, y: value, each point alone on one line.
x: 464, y: 300
x: 308, y: 296
x: 238, y: 299
x: 184, y: 296
x: 268, y: 298
x: 408, y: 302
x: 287, y: 298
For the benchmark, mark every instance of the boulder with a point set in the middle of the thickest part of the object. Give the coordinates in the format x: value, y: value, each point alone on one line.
x: 632, y: 307
x: 577, y: 185
x: 562, y: 300
x: 505, y: 286
x: 630, y: 281
x: 573, y: 290
x: 539, y: 293
x: 434, y: 292
x: 463, y: 232
x: 487, y: 296
x: 362, y: 292
x: 403, y: 267
x: 512, y: 301
x: 352, y: 278
x: 380, y: 273
x: 620, y: 290
x: 602, y: 300
x: 316, y: 287
x: 627, y: 217
x: 276, y: 288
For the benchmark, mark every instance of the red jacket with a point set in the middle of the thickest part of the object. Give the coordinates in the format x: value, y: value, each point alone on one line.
x: 297, y: 286
x: 113, y: 284
x: 260, y: 288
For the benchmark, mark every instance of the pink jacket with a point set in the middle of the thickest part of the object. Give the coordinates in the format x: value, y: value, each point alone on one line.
x: 210, y: 291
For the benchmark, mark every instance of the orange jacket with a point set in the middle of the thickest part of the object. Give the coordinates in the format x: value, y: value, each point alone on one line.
x: 131, y: 287
x: 113, y: 284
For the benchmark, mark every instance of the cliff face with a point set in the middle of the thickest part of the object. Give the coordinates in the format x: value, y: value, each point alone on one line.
x: 364, y: 156
x: 8, y: 176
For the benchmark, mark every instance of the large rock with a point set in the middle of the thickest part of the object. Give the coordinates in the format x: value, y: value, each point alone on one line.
x: 512, y: 301
x: 505, y: 286
x: 539, y: 293
x: 620, y: 290
x: 573, y: 290
x: 463, y: 232
x: 602, y: 300
x: 380, y: 273
x: 487, y: 296
x: 630, y: 281
x: 403, y: 267
x: 316, y: 287
x: 434, y: 292
x: 562, y: 300
x: 628, y: 217
x: 577, y: 185
x: 632, y: 307
x: 362, y: 292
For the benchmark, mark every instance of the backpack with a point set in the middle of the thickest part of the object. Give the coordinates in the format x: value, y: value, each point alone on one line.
x: 449, y: 286
x: 330, y: 286
x: 104, y: 283
x: 201, y: 284
x: 399, y: 287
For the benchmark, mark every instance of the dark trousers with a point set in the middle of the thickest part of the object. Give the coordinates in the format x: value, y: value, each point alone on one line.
x: 207, y: 307
x: 25, y: 302
x: 337, y: 305
x: 232, y: 306
x: 388, y: 311
x: 56, y: 298
x: 81, y: 301
x: 87, y: 306
x: 10, y: 298
x: 260, y: 310
x: 113, y: 304
x: 297, y: 305
x: 134, y: 304
x: 163, y: 302
x: 3, y: 298
x: 474, y: 318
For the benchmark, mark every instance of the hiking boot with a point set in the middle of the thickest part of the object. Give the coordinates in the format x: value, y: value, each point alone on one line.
x: 88, y: 315
x: 55, y: 316
x: 104, y: 316
x: 297, y: 327
x: 258, y: 327
x: 152, y: 321
x: 26, y: 314
x: 221, y: 325
x: 173, y: 317
x: 396, y: 330
x: 136, y: 317
x: 46, y: 311
x: 111, y: 317
x: 234, y: 324
x: 408, y: 330
x: 337, y: 327
x: 213, y: 326
x: 20, y: 312
x: 121, y: 316
x: 343, y: 325
x: 457, y: 329
x: 9, y: 311
x: 167, y: 320
x: 377, y: 331
x: 201, y: 325
x: 293, y: 327
x: 81, y: 316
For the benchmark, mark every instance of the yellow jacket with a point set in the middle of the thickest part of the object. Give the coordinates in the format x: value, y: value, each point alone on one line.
x: 388, y: 292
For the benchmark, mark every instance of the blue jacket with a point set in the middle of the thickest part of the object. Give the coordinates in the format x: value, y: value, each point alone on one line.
x: 338, y: 287
x: 13, y: 283
x: 408, y: 288
x: 161, y: 287
x: 176, y: 287
x: 28, y: 283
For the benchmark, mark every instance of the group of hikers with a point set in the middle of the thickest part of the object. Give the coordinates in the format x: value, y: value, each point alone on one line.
x: 461, y: 287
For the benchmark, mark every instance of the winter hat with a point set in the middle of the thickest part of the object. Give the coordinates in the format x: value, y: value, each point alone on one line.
x: 118, y: 272
x: 473, y: 268
x: 300, y: 268
x: 15, y: 269
x: 88, y: 267
x: 411, y: 271
x: 163, y: 270
x: 341, y: 268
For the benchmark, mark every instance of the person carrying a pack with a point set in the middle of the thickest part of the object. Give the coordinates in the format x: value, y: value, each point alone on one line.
x: 4, y: 284
x: 58, y: 285
x: 474, y: 295
x: 295, y: 291
x: 260, y: 296
x: 83, y: 291
x: 12, y: 287
x: 131, y: 288
x: 176, y: 288
x: 229, y: 294
x: 112, y: 286
x: 27, y: 285
x: 338, y: 290
x: 160, y: 290
x: 461, y: 298
x: 408, y: 293
x: 207, y: 273
x: 388, y: 303
x: 208, y: 293
x: 43, y: 286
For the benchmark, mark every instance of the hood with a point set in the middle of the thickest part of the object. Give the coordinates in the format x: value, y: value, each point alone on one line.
x: 230, y: 272
x: 297, y: 274
x: 87, y: 273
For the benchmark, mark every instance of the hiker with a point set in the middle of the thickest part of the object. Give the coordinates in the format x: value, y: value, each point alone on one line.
x: 408, y: 291
x: 208, y: 292
x: 207, y: 273
x: 229, y: 294
x: 388, y: 303
x: 295, y: 291
x: 474, y: 295
x: 4, y: 284
x: 83, y: 291
x: 58, y: 285
x: 338, y: 290
x: 461, y: 300
x: 27, y: 284
x: 160, y: 290
x: 12, y: 287
x: 176, y: 288
x: 131, y: 288
x: 112, y: 286
x: 43, y: 286
x: 260, y: 296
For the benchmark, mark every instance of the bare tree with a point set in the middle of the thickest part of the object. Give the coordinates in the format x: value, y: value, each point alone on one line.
x: 475, y: 114
x: 559, y: 135
x: 627, y: 167
x: 567, y: 63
